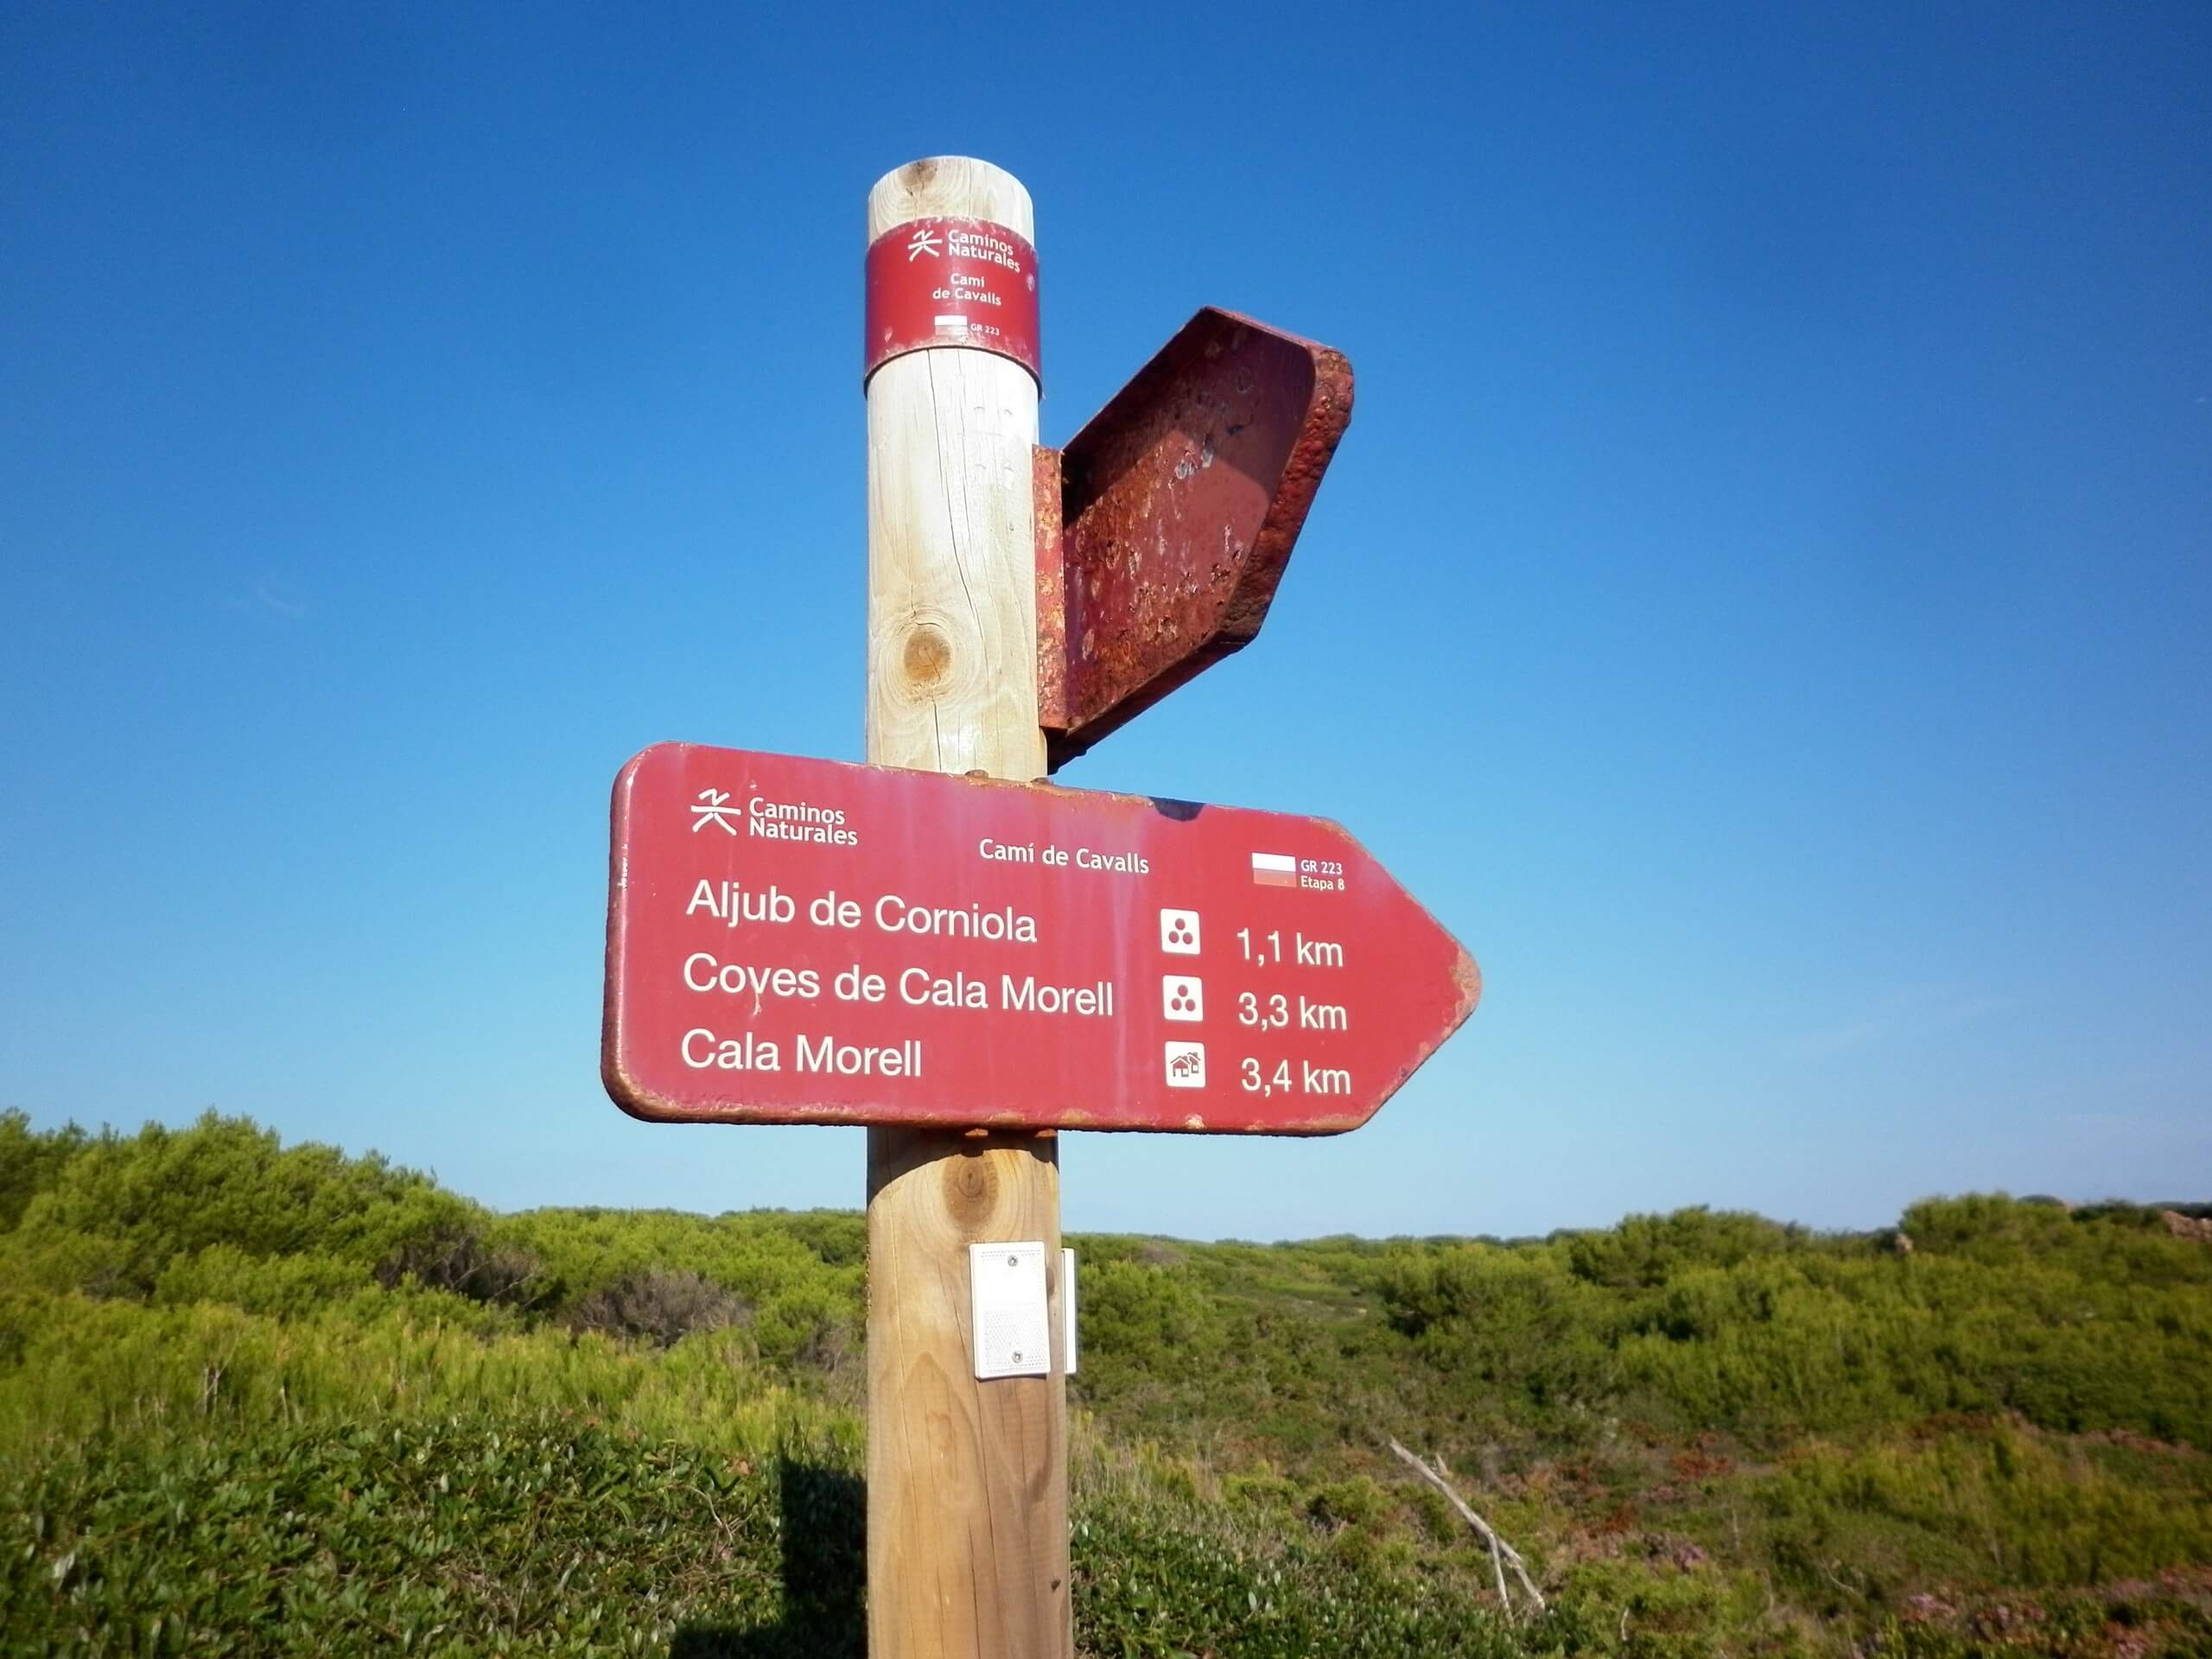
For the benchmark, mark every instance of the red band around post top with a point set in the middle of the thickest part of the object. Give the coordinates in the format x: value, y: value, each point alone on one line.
x: 952, y: 282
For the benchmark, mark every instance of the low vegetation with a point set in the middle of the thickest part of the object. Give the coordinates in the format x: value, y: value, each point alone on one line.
x: 279, y: 1400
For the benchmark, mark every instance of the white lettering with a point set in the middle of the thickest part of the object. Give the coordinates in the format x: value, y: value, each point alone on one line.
x: 1030, y: 997
x: 1125, y: 863
x: 894, y: 915
x: 729, y: 903
x: 852, y: 1060
x: 702, y: 972
x: 703, y: 1051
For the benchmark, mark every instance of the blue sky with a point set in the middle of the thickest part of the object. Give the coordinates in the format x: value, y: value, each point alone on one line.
x: 1761, y: 606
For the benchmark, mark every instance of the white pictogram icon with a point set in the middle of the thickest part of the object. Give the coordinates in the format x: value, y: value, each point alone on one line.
x: 1187, y: 1065
x: 1179, y: 932
x: 716, y: 810
x: 925, y: 242
x: 1182, y: 997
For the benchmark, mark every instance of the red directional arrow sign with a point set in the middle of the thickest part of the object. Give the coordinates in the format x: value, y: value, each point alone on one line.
x: 795, y: 941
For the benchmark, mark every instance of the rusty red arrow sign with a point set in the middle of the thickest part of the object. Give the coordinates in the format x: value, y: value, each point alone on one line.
x: 1164, y: 526
x: 797, y: 940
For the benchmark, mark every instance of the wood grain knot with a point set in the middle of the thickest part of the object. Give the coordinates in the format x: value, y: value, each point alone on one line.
x: 927, y: 657
x: 971, y: 1188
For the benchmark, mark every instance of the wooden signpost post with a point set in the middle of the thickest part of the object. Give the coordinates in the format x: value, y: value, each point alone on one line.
x: 967, y: 1480
x: 968, y: 964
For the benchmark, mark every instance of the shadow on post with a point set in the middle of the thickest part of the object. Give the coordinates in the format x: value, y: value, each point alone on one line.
x: 825, y: 1562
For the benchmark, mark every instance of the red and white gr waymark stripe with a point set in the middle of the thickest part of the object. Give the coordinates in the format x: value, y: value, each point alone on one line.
x: 1275, y: 869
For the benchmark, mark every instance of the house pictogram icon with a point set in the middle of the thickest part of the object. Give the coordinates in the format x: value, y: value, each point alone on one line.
x: 1187, y: 1065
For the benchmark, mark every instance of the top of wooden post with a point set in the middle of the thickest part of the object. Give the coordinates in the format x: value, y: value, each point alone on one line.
x: 950, y: 187
x: 952, y: 556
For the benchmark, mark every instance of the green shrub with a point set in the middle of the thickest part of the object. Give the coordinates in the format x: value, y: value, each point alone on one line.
x: 1645, y: 1251
x: 290, y: 1285
x: 661, y: 1305
x: 454, y: 1255
x: 1265, y: 1492
x: 1997, y: 1503
x: 1154, y: 1579
x: 164, y: 1193
x: 31, y: 1161
x: 1357, y: 1502
x: 540, y: 1534
x: 1643, y: 1609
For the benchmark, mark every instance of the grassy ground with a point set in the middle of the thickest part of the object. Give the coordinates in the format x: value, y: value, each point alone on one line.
x: 269, y: 1400
x: 550, y: 1534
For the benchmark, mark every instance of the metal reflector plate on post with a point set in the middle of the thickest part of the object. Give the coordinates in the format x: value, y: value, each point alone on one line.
x: 800, y: 941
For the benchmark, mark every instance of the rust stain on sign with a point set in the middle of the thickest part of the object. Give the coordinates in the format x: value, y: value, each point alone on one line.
x: 1164, y: 526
